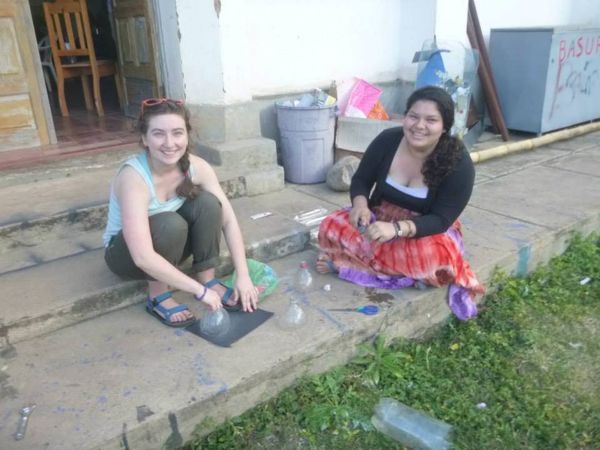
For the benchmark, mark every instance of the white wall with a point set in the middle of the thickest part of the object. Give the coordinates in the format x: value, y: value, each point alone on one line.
x: 451, y: 20
x: 200, y: 47
x: 270, y: 47
x: 536, y: 13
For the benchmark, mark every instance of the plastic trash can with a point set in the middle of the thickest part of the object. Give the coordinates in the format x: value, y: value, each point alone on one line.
x: 306, y: 141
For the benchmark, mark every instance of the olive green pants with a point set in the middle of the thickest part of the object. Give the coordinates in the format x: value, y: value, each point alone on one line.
x: 194, y: 229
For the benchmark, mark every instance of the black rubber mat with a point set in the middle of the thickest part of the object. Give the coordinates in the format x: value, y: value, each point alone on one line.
x: 241, y: 323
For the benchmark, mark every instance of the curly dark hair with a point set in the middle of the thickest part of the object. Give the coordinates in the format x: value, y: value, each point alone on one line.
x: 187, y: 188
x: 448, y: 150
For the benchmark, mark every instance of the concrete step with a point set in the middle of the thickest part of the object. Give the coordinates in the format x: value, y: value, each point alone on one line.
x: 65, y: 190
x: 122, y: 380
x: 250, y: 181
x: 240, y: 154
x: 29, y: 243
x: 72, y: 283
x: 67, y: 215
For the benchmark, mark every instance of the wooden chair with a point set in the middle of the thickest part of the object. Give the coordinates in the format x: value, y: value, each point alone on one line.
x: 73, y: 52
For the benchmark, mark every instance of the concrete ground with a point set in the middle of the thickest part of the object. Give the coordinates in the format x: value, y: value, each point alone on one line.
x: 109, y: 376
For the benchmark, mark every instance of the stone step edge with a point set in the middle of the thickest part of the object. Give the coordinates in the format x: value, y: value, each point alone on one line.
x: 251, y: 152
x: 78, y: 213
x: 127, y: 293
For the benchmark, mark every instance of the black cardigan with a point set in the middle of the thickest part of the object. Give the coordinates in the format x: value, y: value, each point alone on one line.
x: 442, y: 205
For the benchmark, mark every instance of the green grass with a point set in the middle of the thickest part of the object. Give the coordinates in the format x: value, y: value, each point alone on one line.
x: 532, y: 356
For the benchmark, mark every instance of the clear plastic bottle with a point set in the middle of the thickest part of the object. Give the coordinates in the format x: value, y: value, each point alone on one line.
x: 333, y: 89
x: 215, y: 323
x: 304, y: 278
x: 294, y: 316
x: 410, y: 427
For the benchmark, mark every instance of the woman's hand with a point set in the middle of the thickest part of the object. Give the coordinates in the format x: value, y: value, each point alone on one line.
x: 360, y: 215
x: 211, y: 298
x: 246, y: 293
x: 381, y: 231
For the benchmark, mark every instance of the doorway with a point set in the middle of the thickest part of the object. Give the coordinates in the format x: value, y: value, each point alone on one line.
x: 84, y: 129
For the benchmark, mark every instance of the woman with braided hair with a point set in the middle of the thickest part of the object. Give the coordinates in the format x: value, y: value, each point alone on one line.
x: 407, y: 193
x: 165, y: 205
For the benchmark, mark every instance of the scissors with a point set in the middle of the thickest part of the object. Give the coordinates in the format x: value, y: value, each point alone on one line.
x: 369, y: 310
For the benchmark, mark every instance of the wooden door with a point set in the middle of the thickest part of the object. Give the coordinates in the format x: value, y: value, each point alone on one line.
x: 138, y: 58
x: 25, y: 117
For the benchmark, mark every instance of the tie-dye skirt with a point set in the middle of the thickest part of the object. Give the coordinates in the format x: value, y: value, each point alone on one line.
x: 435, y: 260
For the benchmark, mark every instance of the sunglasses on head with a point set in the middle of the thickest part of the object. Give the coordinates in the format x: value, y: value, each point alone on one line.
x: 149, y: 102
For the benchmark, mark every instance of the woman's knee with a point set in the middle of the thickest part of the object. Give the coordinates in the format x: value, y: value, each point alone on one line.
x: 169, y: 233
x: 209, y: 204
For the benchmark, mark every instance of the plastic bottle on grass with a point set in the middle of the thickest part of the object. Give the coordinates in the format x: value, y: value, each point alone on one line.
x: 410, y: 427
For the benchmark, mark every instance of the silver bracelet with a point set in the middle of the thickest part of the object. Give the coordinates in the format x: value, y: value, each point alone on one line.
x: 398, y: 229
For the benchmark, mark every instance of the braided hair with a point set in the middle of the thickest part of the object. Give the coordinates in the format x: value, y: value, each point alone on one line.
x: 186, y: 188
x: 448, y: 150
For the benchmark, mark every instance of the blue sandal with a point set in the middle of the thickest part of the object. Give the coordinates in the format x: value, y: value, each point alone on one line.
x: 154, y: 307
x: 226, y: 296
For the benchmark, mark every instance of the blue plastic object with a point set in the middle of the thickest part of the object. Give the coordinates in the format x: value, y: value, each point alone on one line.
x: 369, y: 310
x: 430, y: 75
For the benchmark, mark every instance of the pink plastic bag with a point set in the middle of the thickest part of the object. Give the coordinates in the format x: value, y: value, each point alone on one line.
x: 362, y: 99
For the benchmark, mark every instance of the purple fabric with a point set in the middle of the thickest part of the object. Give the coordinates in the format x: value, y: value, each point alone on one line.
x: 455, y: 235
x: 460, y: 302
x: 374, y: 281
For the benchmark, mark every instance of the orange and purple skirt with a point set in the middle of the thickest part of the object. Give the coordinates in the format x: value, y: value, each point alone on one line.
x: 436, y: 260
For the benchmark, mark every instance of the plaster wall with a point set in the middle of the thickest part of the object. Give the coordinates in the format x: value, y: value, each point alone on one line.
x: 258, y: 48
x: 536, y: 13
x: 239, y: 56
x: 252, y: 49
x: 451, y: 20
x: 200, y: 46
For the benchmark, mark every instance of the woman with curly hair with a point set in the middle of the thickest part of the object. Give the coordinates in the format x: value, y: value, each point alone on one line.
x: 407, y: 193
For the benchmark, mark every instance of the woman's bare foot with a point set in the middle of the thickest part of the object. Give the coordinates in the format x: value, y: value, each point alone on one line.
x: 325, y: 264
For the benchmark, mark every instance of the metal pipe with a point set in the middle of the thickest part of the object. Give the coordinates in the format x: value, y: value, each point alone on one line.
x: 530, y: 144
x: 487, y: 81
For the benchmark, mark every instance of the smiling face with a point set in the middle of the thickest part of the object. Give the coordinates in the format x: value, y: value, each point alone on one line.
x: 166, y: 138
x: 423, y: 126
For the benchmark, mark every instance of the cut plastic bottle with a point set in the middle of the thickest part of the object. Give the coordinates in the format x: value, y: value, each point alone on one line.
x: 293, y: 316
x: 410, y: 427
x: 215, y: 323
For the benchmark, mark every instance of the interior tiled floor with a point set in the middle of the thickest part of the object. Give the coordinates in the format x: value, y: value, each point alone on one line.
x: 80, y: 133
x: 83, y: 128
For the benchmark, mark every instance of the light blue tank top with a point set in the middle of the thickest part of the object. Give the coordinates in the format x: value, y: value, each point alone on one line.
x: 140, y: 163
